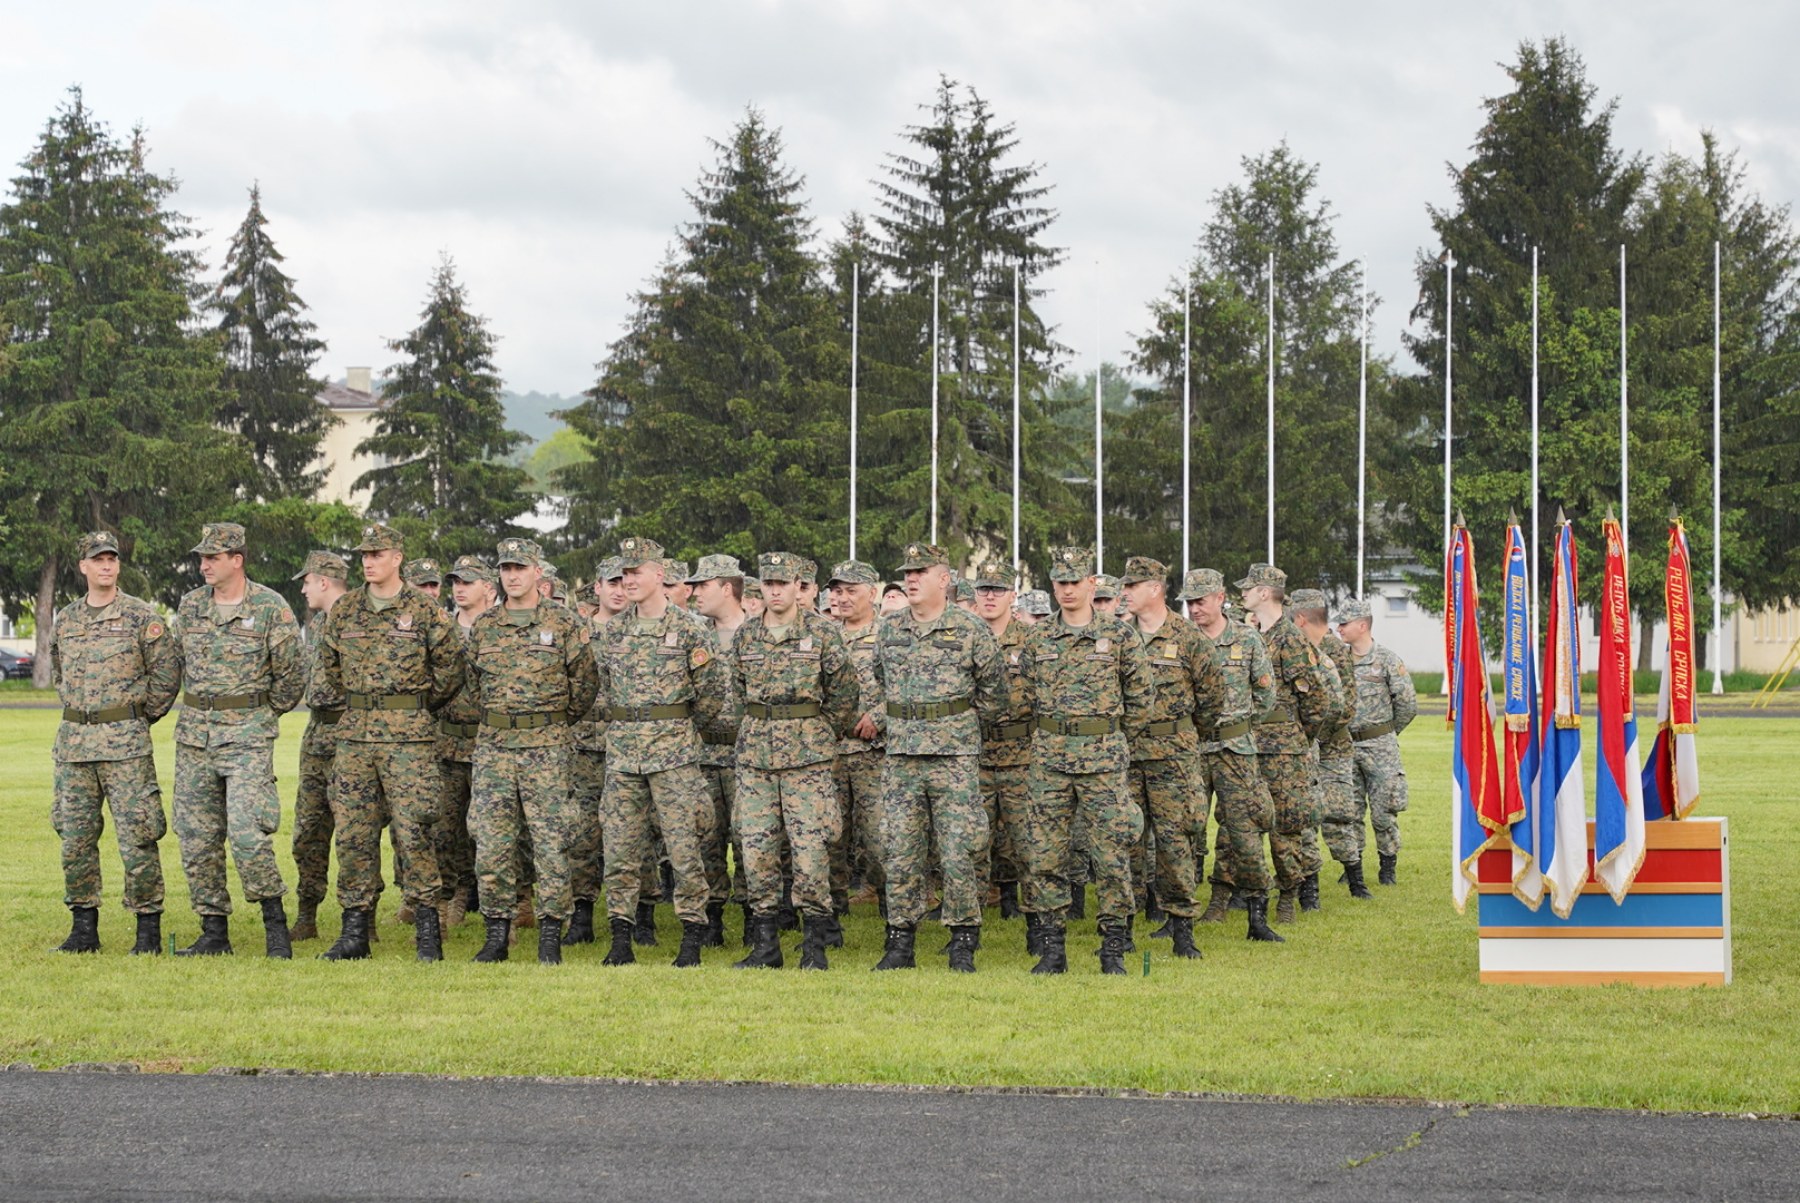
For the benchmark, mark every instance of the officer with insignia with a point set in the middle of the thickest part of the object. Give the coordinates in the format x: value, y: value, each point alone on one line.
x: 858, y: 770
x: 324, y: 578
x: 718, y: 589
x: 425, y: 576
x: 116, y: 672
x: 1006, y: 744
x: 1386, y: 703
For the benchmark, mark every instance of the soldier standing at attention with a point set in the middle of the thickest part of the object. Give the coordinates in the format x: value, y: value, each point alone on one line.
x: 323, y: 579
x: 458, y: 723
x: 1165, y: 762
x: 533, y: 676
x: 587, y: 770
x: 663, y: 683
x: 753, y: 598
x: 809, y: 586
x: 1093, y: 692
x: 676, y: 589
x: 1106, y: 595
x: 242, y: 669
x: 396, y: 657
x: 798, y: 689
x: 1385, y: 704
x: 116, y: 672
x: 1285, y: 733
x: 858, y: 769
x: 1336, y: 761
x: 942, y: 679
x: 425, y: 576
x: 1006, y: 743
x: 718, y: 585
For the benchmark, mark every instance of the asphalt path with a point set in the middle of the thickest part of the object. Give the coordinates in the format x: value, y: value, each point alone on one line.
x: 81, y: 1136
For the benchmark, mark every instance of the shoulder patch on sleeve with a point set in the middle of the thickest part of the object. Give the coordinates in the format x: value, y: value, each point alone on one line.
x: 698, y: 658
x: 154, y: 630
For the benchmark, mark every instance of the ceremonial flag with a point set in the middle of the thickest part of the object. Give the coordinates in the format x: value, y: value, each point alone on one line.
x: 1519, y: 779
x: 1560, y: 826
x: 1476, y: 808
x: 1672, y: 777
x: 1618, y: 787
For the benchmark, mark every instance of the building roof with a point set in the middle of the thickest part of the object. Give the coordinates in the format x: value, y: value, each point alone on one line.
x: 337, y: 397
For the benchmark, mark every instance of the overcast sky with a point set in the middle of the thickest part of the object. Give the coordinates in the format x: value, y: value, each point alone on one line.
x: 547, y: 146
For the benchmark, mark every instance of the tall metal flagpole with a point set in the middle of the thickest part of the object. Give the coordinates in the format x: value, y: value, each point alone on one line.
x: 1270, y: 437
x: 934, y: 403
x: 1718, y: 579
x: 855, y: 289
x: 1187, y: 442
x: 1099, y: 477
x: 1624, y: 450
x: 1362, y: 441
x: 1449, y: 284
x: 1015, y: 427
x: 1531, y: 575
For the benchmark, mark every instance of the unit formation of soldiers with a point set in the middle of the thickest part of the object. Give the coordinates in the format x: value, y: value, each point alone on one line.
x: 936, y: 745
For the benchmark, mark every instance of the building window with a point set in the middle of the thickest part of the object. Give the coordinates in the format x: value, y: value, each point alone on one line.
x: 1396, y: 605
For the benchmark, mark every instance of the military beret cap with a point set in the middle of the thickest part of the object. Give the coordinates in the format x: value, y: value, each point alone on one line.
x: 325, y: 563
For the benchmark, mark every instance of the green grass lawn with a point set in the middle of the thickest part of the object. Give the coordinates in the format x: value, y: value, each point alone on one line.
x: 1374, y: 999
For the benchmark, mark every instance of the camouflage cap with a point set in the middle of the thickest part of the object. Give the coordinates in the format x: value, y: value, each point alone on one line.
x: 216, y: 537
x: 470, y: 568
x: 379, y: 536
x: 610, y: 569
x: 994, y: 575
x: 1263, y: 574
x: 715, y: 568
x: 1035, y: 602
x: 809, y: 571
x: 923, y: 555
x: 1307, y: 599
x: 550, y: 569
x: 1071, y: 563
x: 517, y: 551
x: 324, y: 563
x: 422, y: 572
x: 635, y: 552
x: 559, y: 590
x: 1106, y: 586
x: 1143, y: 568
x: 853, y: 572
x: 752, y: 587
x: 965, y: 589
x: 1202, y: 582
x: 1352, y: 610
x: 96, y: 543
x: 779, y: 566
x: 674, y: 571
x: 892, y: 587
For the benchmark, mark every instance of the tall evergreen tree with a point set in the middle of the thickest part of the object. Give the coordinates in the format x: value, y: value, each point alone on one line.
x: 270, y: 353
x: 441, y: 434
x: 107, y: 391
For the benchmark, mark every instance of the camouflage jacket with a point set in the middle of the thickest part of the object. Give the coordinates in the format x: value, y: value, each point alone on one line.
x: 1334, y: 739
x: 256, y: 650
x: 321, y: 737
x: 532, y: 661
x: 463, y: 710
x: 1302, y: 700
x: 118, y: 655
x: 1100, y: 670
x: 1249, y: 685
x: 410, y: 648
x: 590, y: 729
x: 803, y: 662
x: 716, y: 750
x: 1016, y: 751
x: 1384, y: 691
x: 864, y: 647
x: 669, y: 660
x: 1190, y: 686
x: 951, y: 658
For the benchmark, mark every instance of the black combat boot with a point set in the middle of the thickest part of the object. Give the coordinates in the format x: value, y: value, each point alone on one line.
x: 1389, y: 860
x: 1112, y: 947
x: 789, y: 916
x: 644, y: 931
x: 1354, y: 875
x: 275, y: 931
x: 1287, y: 905
x: 1238, y: 902
x: 1078, y: 900
x: 1009, y: 900
x: 1167, y: 930
x: 497, y: 932
x: 474, y: 897
x: 1153, y: 909
x: 1052, y: 958
x: 306, y: 920
x: 84, y: 930
x: 749, y: 925
x: 620, y: 953
x: 693, y: 939
x: 833, y: 931
x: 1258, y: 906
x: 812, y: 946
x: 1181, y: 931
x: 951, y: 942
x: 765, y: 944
x: 1034, y: 933
x: 428, y: 932
x: 964, y: 940
x: 1216, y: 905
x: 715, y: 925
x: 1127, y: 923
x: 214, y: 941
x: 1309, y: 892
x: 149, y: 935
x: 899, y: 951
x: 353, y: 942
x: 581, y: 923
x: 667, y: 875
x: 550, y: 940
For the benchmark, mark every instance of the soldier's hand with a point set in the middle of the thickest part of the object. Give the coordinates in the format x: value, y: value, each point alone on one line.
x: 865, y: 728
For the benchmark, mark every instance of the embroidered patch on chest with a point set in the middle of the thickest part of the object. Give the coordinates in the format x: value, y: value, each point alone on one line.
x: 546, y: 638
x: 404, y: 622
x: 1103, y: 645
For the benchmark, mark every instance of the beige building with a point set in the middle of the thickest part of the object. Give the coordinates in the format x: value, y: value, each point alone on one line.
x: 354, y: 405
x: 1763, y: 638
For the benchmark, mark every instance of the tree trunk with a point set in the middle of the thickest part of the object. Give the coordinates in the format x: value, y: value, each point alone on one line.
x: 45, y: 619
x: 1646, y: 629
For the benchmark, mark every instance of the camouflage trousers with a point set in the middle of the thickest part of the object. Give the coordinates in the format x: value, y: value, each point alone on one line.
x: 1100, y: 801
x: 929, y: 801
x: 794, y: 810
x: 313, y: 827
x: 721, y: 788
x: 587, y: 782
x: 1169, y: 794
x: 454, y: 840
x: 1294, y: 842
x: 1246, y: 817
x: 1381, y: 782
x: 1342, y: 825
x: 1006, y: 789
x: 83, y: 789
x: 374, y: 784
x: 226, y: 795
x: 681, y: 806
x: 857, y: 776
x: 518, y: 792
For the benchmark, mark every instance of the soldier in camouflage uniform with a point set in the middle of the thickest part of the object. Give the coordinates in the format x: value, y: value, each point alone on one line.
x: 1106, y: 594
x: 1336, y: 762
x: 395, y: 655
x: 799, y: 694
x: 1385, y: 703
x: 472, y: 589
x: 425, y: 576
x: 532, y: 676
x: 323, y: 579
x: 753, y: 599
x: 1165, y: 762
x: 860, y: 754
x: 587, y: 770
x: 116, y: 672
x: 1284, y: 737
x: 941, y: 678
x: 718, y: 584
x: 965, y: 594
x: 1092, y: 692
x: 1006, y: 743
x: 663, y: 683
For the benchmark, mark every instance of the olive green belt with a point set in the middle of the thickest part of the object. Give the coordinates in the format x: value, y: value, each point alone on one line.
x: 1174, y: 726
x: 524, y: 722
x: 1228, y: 731
x: 1375, y: 732
x: 1006, y: 731
x: 718, y: 741
x: 385, y: 701
x: 928, y: 710
x: 327, y: 714
x: 458, y: 730
x: 781, y: 709
x: 225, y: 701
x: 110, y: 714
x: 1079, y: 726
x: 646, y: 714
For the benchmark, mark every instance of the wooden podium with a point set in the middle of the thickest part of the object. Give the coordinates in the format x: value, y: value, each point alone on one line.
x: 1673, y: 929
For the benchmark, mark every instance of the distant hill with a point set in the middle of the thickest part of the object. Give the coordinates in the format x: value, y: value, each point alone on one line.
x: 529, y: 413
